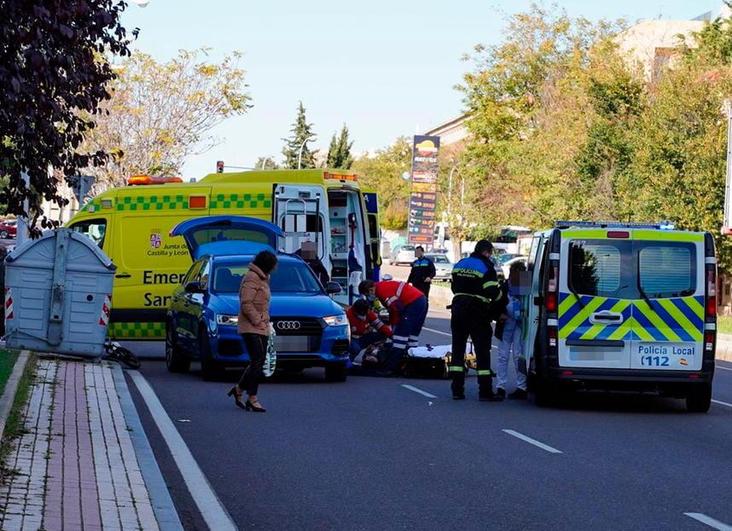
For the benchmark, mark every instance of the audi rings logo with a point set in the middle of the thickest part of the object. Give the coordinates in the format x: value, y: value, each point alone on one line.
x: 288, y: 325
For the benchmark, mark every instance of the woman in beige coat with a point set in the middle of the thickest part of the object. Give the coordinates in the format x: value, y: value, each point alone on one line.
x: 254, y: 299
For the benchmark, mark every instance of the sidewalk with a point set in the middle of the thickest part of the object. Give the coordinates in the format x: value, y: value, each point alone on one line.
x: 83, y: 461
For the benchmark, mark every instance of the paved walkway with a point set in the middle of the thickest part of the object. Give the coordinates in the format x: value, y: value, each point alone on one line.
x: 75, y: 466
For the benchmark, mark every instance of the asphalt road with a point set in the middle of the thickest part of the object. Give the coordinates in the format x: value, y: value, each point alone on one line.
x: 372, y: 454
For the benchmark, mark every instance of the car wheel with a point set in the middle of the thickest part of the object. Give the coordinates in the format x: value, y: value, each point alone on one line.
x: 699, y: 398
x: 336, y: 372
x: 175, y: 358
x: 210, y: 369
x: 3, y: 234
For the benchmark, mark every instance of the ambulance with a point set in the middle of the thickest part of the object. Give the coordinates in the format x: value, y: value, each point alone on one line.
x: 621, y: 306
x: 132, y: 225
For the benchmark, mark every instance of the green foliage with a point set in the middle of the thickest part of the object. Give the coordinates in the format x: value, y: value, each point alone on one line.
x: 302, y: 133
x: 53, y: 78
x: 339, y: 152
x: 382, y: 172
x: 266, y: 163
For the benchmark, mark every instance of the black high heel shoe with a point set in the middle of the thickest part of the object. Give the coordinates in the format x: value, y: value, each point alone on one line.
x: 257, y: 409
x: 237, y: 397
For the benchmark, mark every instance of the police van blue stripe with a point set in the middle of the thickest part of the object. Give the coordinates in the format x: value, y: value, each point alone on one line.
x: 648, y: 326
x: 688, y: 313
x: 671, y: 322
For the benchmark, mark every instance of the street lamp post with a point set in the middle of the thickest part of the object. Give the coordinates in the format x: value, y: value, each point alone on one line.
x: 302, y: 146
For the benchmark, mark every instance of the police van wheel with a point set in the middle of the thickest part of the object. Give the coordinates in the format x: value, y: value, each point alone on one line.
x: 699, y: 398
x: 175, y: 359
x: 336, y: 372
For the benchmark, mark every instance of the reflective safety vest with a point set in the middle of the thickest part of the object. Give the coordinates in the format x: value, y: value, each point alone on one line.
x: 362, y: 324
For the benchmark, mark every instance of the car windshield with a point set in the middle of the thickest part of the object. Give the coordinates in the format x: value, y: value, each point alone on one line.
x: 406, y: 248
x: 438, y: 258
x: 505, y: 257
x: 289, y: 277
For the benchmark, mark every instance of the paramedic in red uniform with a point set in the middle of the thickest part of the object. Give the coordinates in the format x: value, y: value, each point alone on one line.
x: 407, y: 311
x: 366, y: 327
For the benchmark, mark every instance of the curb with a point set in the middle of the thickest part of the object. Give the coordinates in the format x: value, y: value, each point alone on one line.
x: 11, y: 387
x: 162, y: 503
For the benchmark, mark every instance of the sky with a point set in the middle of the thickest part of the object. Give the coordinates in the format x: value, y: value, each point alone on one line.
x: 385, y: 68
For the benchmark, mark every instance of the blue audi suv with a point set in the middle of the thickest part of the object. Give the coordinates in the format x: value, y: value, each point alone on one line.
x: 311, y: 330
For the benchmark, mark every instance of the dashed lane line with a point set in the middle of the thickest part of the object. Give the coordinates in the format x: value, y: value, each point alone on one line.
x: 721, y: 403
x: 723, y: 368
x: 418, y: 390
x: 213, y: 511
x: 708, y: 520
x: 437, y: 331
x: 529, y: 440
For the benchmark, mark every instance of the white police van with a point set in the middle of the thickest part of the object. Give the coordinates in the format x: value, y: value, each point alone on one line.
x: 621, y: 306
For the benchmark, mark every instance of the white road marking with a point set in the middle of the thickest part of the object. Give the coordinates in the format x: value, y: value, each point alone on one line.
x: 418, y: 390
x: 723, y: 368
x: 708, y: 520
x: 437, y: 331
x: 721, y: 403
x: 213, y: 511
x: 529, y: 440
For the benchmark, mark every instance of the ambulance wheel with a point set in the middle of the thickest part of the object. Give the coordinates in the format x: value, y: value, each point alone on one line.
x: 336, y: 372
x: 175, y: 359
x: 699, y: 398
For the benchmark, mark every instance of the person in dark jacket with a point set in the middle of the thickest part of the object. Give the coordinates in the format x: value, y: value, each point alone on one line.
x: 422, y: 273
x: 254, y: 327
x: 476, y: 291
x: 308, y: 252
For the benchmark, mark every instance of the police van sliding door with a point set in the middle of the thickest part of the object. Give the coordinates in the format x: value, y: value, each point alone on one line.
x: 669, y: 309
x: 595, y: 300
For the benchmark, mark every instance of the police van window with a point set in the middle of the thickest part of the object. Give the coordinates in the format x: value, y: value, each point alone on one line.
x: 95, y: 229
x: 595, y: 268
x: 668, y: 270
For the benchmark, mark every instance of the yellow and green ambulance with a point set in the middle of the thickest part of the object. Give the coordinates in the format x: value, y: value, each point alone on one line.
x: 132, y: 225
x: 622, y: 306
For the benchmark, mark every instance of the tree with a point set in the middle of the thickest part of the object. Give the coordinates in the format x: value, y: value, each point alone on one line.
x: 266, y: 163
x: 160, y: 114
x: 339, y: 152
x: 383, y: 171
x: 53, y: 77
x: 302, y: 132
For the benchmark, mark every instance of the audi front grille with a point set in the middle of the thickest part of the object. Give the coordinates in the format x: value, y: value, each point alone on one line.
x: 293, y: 326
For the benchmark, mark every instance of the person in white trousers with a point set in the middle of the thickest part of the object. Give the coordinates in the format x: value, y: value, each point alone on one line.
x: 511, y: 340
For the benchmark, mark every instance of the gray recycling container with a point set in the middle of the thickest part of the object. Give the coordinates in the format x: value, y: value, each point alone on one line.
x: 58, y: 292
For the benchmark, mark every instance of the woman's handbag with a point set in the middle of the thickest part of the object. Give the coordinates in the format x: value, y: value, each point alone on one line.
x: 270, y: 360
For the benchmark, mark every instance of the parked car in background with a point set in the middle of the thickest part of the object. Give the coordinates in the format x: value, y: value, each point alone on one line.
x: 443, y: 266
x: 506, y: 266
x: 8, y: 228
x: 201, y: 324
x: 403, y: 255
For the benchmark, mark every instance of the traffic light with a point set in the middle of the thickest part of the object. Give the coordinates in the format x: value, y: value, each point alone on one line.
x: 219, y: 166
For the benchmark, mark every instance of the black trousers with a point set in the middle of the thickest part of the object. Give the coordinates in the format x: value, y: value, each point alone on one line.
x: 257, y: 347
x: 471, y: 318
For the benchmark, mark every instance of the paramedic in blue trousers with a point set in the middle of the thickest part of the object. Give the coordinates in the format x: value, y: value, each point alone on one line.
x: 508, y: 331
x: 422, y: 273
x: 476, y: 293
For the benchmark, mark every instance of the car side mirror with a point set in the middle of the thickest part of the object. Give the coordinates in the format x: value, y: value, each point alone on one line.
x: 332, y: 288
x: 194, y: 287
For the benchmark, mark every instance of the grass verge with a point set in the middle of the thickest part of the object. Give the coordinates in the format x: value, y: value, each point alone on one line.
x: 7, y: 362
x: 14, y: 425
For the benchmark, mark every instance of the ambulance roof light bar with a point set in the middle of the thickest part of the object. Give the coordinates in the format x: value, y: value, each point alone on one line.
x: 137, y: 180
x: 662, y: 225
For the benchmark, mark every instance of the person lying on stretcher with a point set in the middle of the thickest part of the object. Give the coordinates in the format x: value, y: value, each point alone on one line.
x: 368, y: 331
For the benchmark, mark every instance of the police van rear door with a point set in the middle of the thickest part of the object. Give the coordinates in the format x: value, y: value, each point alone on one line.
x: 596, y: 294
x: 669, y: 310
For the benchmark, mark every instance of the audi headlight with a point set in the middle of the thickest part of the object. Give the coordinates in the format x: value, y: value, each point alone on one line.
x: 336, y: 320
x: 232, y: 320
